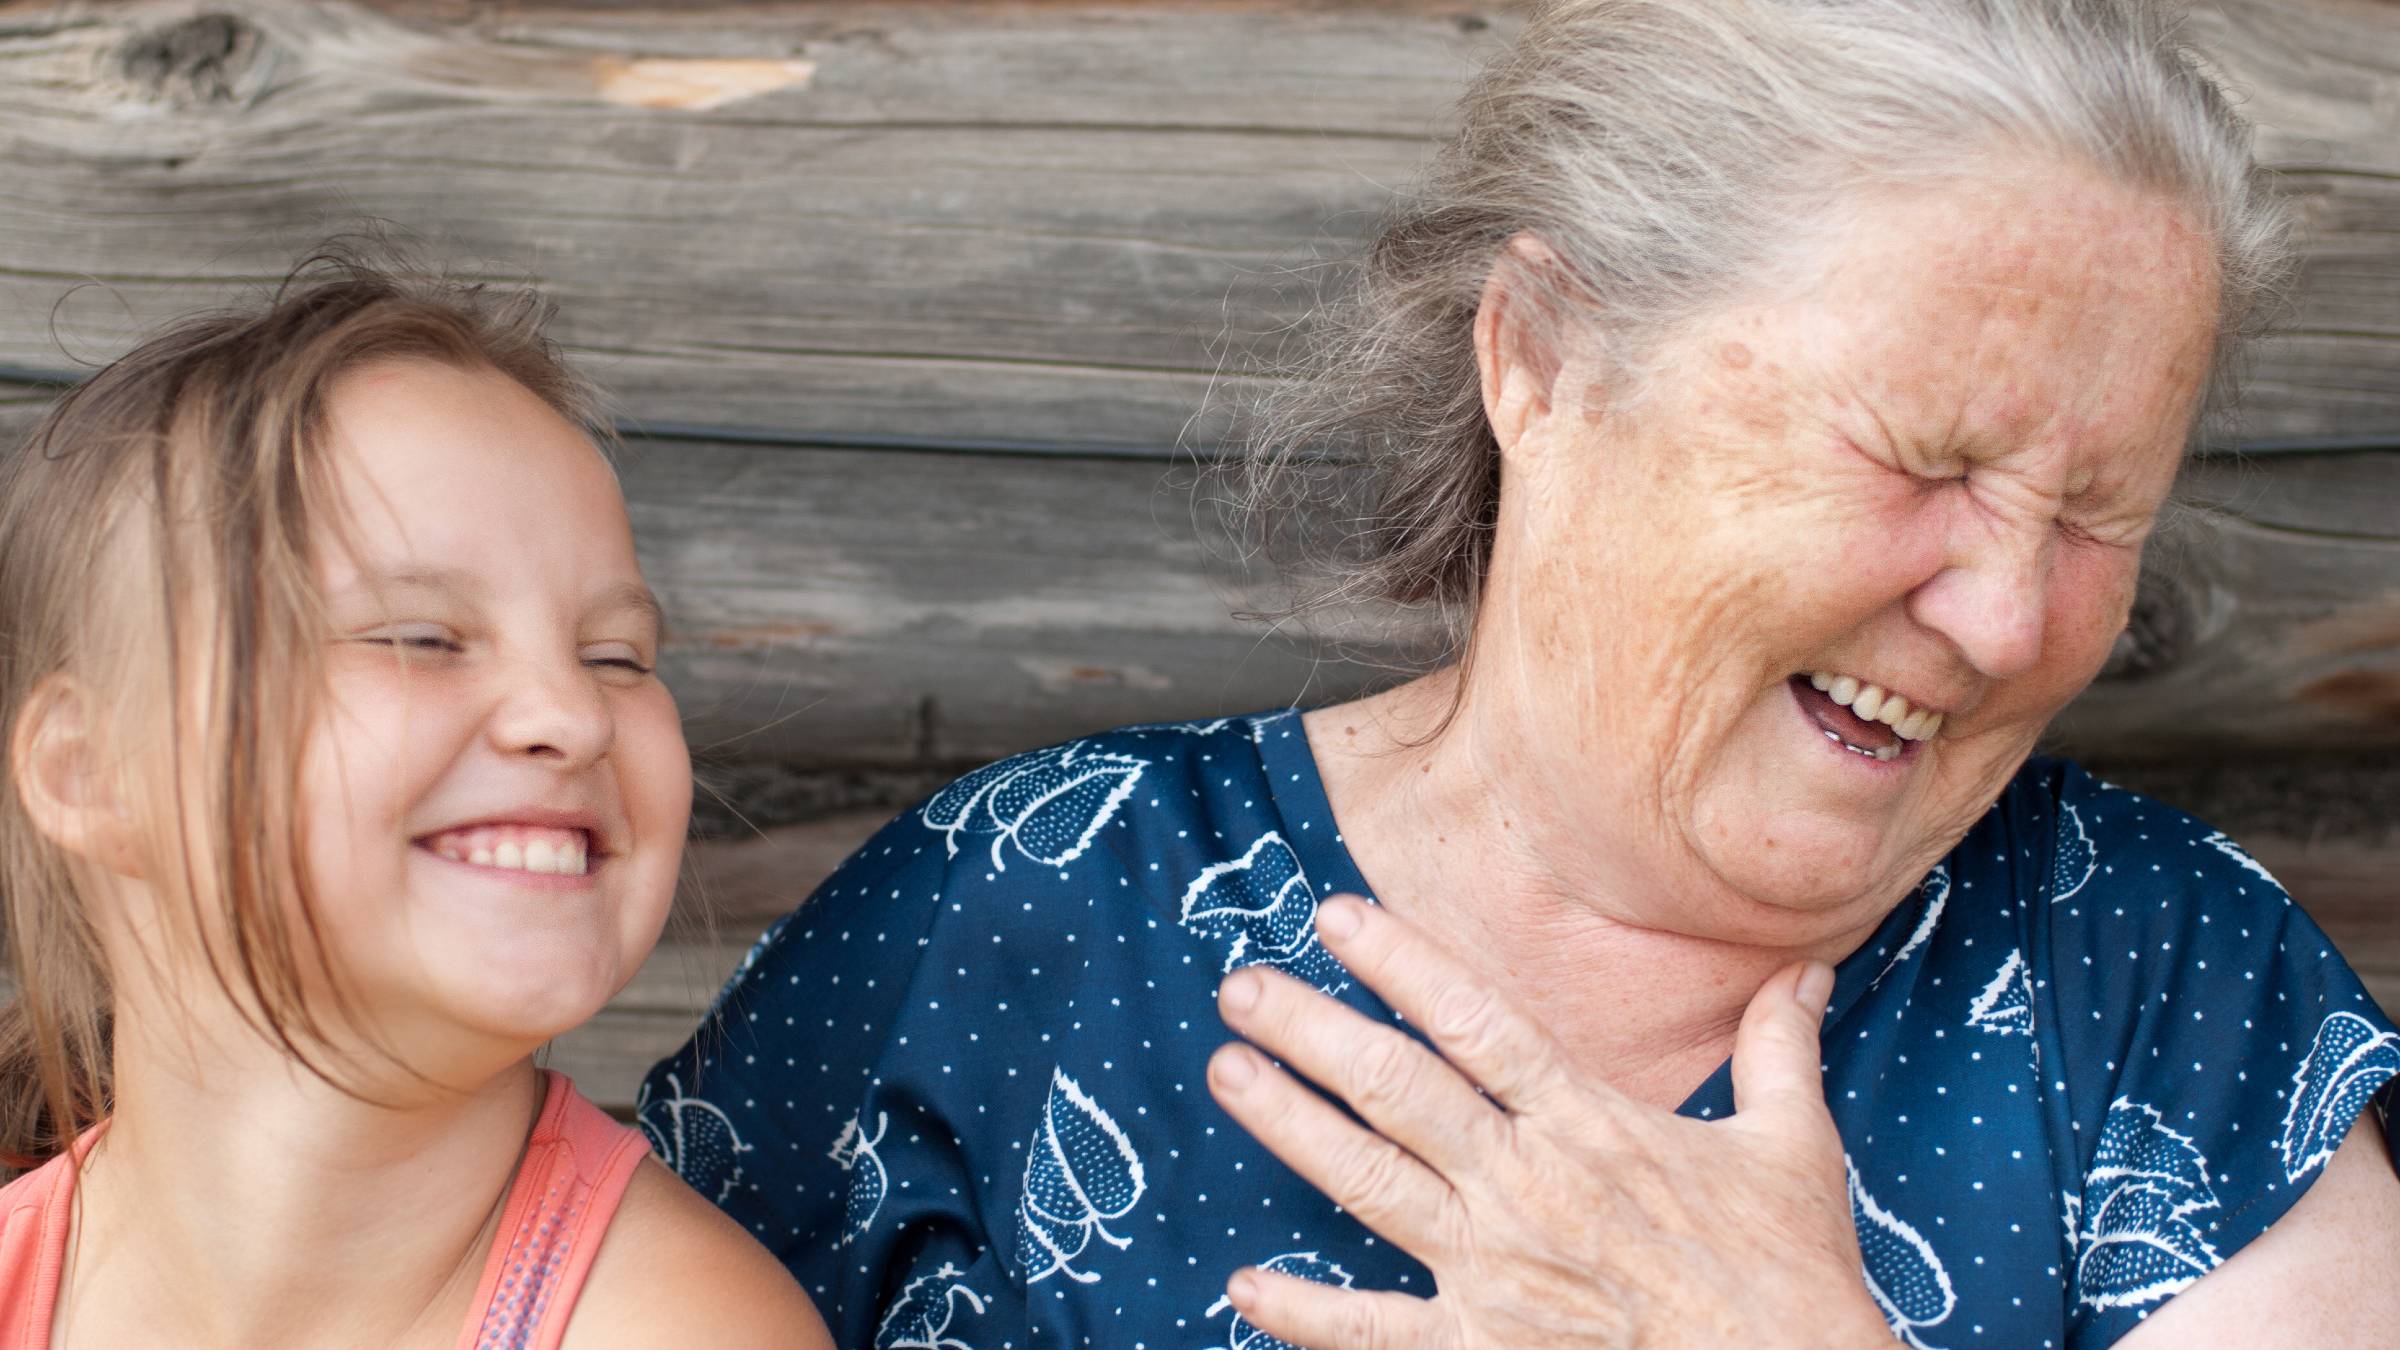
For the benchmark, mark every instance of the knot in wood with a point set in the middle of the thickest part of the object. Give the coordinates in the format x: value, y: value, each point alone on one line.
x: 2159, y: 631
x: 193, y: 61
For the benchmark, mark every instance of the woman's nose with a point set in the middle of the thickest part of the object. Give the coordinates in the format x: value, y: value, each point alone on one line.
x: 555, y: 712
x: 1990, y: 601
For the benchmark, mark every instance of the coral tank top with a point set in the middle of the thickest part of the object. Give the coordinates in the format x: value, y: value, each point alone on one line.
x: 576, y: 1166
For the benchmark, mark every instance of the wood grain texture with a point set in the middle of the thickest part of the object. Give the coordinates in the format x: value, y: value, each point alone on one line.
x: 2346, y: 887
x: 983, y: 223
x: 989, y: 223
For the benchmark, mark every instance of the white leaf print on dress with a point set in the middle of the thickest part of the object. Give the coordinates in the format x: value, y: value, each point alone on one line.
x: 2005, y: 1007
x: 1080, y: 1172
x: 1936, y: 890
x: 1903, y: 1274
x: 1210, y: 727
x: 1047, y: 804
x: 693, y: 1138
x: 855, y: 1153
x: 2223, y: 843
x: 2132, y: 1229
x: 921, y: 1318
x: 1262, y: 901
x: 2072, y: 860
x: 2347, y: 1063
x: 1300, y: 1265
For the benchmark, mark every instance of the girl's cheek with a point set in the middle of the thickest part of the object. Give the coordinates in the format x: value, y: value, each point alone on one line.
x: 656, y: 761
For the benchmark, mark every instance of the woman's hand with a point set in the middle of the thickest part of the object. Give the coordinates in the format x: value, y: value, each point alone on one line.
x: 1555, y: 1211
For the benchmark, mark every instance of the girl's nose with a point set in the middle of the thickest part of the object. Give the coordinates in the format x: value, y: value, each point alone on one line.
x: 553, y: 713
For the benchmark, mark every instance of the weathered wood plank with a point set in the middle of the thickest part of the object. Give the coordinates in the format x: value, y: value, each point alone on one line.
x: 984, y: 223
x: 2271, y: 620
x: 956, y: 226
x: 2345, y: 886
x: 882, y: 609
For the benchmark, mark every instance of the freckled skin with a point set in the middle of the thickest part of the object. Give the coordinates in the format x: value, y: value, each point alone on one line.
x: 1934, y: 469
x: 1806, y: 512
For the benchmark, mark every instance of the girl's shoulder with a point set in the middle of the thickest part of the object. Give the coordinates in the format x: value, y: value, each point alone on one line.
x: 674, y: 1270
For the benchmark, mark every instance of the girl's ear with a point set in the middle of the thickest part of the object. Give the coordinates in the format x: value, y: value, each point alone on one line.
x: 55, y: 763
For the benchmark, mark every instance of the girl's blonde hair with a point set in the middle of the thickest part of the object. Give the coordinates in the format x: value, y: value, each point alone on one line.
x: 159, y: 533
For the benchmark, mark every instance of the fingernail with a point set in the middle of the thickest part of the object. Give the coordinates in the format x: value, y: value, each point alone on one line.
x: 1338, y: 919
x: 1233, y: 1068
x: 1815, y: 988
x: 1242, y: 1289
x: 1240, y: 993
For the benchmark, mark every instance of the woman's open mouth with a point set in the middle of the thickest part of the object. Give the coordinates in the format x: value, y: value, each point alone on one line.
x: 1861, y: 717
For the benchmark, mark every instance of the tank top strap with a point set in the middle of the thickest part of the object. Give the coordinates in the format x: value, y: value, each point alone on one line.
x: 36, y: 1213
x: 577, y: 1164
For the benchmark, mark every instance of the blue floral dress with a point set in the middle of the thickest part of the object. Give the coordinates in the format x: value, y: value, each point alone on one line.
x: 961, y: 1091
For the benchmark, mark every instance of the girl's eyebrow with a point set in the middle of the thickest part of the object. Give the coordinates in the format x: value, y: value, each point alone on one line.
x: 633, y: 596
x: 454, y: 581
x: 413, y: 577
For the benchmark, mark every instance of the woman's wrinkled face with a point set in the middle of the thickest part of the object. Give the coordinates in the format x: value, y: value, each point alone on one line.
x: 496, y: 797
x: 1928, y: 479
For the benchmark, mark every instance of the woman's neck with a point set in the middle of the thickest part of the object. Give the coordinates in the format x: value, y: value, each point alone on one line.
x: 1449, y: 821
x: 240, y: 1199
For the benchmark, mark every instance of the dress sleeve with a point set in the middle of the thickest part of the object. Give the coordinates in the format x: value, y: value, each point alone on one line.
x: 772, y: 1108
x: 2215, y: 1049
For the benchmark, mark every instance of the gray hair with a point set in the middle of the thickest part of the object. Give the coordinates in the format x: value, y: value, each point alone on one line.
x: 1674, y: 155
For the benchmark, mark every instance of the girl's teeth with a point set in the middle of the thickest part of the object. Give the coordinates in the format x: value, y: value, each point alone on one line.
x: 1876, y: 704
x: 518, y: 848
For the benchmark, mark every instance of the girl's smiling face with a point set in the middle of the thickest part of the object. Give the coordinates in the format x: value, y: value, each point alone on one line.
x: 1932, y: 471
x: 496, y: 795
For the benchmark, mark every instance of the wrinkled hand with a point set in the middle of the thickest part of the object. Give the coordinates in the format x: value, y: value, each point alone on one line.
x: 1557, y: 1212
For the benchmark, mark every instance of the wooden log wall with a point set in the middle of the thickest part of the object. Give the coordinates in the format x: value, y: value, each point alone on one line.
x: 908, y: 307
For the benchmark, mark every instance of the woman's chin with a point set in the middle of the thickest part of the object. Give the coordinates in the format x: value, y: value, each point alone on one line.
x: 1804, y: 872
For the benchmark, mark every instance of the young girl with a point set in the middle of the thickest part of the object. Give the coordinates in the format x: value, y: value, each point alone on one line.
x: 339, y: 781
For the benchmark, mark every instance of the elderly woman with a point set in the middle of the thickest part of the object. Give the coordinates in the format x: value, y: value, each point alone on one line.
x: 1777, y: 393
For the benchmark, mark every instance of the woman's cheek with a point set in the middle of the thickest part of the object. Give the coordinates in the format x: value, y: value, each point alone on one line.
x: 2091, y: 597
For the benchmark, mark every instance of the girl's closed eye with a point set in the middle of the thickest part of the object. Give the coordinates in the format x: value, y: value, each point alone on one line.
x: 417, y: 640
x: 618, y: 656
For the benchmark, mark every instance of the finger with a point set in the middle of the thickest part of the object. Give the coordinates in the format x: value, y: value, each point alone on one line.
x: 1375, y: 1179
x: 1466, y: 1017
x: 1326, y: 1317
x: 1401, y: 1088
x: 1777, y: 1064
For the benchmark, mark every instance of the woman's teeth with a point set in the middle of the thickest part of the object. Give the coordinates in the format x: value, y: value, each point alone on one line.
x: 1872, y: 703
x: 517, y: 848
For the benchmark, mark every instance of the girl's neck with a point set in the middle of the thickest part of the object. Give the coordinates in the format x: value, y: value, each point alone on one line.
x: 239, y: 1198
